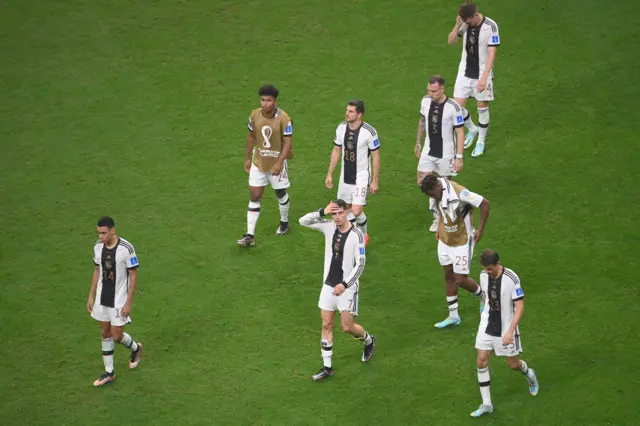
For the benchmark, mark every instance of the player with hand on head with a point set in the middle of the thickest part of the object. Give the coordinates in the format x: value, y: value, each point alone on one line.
x: 498, y: 330
x: 456, y: 236
x: 114, y: 282
x: 441, y: 128
x: 354, y: 142
x: 267, y: 150
x: 343, y: 265
x: 480, y: 41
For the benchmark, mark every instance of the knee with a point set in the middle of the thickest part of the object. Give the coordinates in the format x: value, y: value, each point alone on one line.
x: 482, y: 361
x: 117, y: 336
x: 356, y: 210
x: 105, y: 334
x: 459, y: 280
x: 346, y: 326
x: 513, y: 363
x: 280, y: 193
x: 327, y: 327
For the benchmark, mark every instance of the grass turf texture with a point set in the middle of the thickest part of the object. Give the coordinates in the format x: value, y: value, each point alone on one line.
x: 138, y: 110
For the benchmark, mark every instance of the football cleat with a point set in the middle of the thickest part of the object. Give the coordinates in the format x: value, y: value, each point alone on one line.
x: 323, y: 374
x: 283, y: 228
x: 448, y: 322
x: 483, y: 409
x: 533, y: 383
x: 478, y: 150
x: 247, y: 240
x: 136, y: 357
x: 367, y: 353
x: 104, y: 379
x: 468, y: 140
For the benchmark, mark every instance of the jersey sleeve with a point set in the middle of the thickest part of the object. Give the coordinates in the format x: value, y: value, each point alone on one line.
x: 458, y: 119
x: 313, y: 220
x: 494, y: 36
x: 96, y: 258
x: 374, y: 141
x: 424, y: 106
x: 359, y: 259
x: 516, y: 292
x: 288, y: 126
x: 132, y: 259
x: 469, y: 197
x: 337, y: 140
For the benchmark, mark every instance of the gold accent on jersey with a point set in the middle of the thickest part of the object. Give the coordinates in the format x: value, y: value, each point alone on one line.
x: 454, y: 232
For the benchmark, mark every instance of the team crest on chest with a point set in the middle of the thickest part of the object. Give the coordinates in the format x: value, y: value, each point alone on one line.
x: 350, y: 141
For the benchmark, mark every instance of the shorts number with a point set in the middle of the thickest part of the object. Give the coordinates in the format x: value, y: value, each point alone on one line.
x: 360, y: 192
x: 283, y: 175
x: 461, y: 261
x: 349, y: 156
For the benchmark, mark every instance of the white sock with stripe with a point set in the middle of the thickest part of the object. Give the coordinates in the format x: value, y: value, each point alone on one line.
x: 284, y: 207
x: 483, y: 123
x: 361, y: 221
x: 452, y: 302
x: 468, y: 122
x: 484, y: 381
x: 108, y: 348
x: 128, y: 342
x: 253, y: 213
x: 327, y: 352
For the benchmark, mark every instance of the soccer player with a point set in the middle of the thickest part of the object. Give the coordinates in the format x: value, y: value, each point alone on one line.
x: 355, y: 141
x: 480, y: 41
x: 456, y: 236
x: 113, y: 286
x: 343, y: 264
x: 442, y: 122
x: 498, y: 330
x: 269, y: 141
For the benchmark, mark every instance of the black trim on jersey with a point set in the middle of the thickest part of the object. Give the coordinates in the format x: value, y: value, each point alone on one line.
x: 511, y: 275
x: 491, y: 23
x: 360, y: 235
x: 519, y: 298
x: 109, y: 275
x: 336, y: 273
x: 374, y: 149
x: 494, y: 326
x: 350, y: 150
x: 454, y: 103
x: 336, y: 144
x: 370, y: 129
x: 472, y: 67
x: 434, y: 128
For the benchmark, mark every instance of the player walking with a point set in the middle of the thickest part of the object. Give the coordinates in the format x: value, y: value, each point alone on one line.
x: 343, y: 264
x: 113, y: 286
x: 498, y: 330
x: 355, y: 141
x: 480, y: 41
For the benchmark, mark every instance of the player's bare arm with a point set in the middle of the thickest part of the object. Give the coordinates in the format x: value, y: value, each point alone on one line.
x: 333, y: 161
x: 420, y: 137
x: 249, y: 151
x: 507, y: 339
x: 375, y: 184
x: 286, y: 149
x: 491, y: 57
x: 484, y: 215
x: 454, y: 35
x: 94, y: 286
x: 458, y: 164
x: 133, y: 281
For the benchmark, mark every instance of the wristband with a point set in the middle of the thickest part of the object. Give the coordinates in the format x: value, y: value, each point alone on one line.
x: 459, y: 156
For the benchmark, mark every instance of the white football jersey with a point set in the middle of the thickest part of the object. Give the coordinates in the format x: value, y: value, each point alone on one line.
x: 501, y: 297
x: 352, y: 252
x: 114, y: 263
x: 356, y: 147
x: 475, y: 47
x: 440, y: 122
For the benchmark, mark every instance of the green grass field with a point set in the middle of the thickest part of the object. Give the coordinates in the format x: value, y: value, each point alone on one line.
x: 138, y: 110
